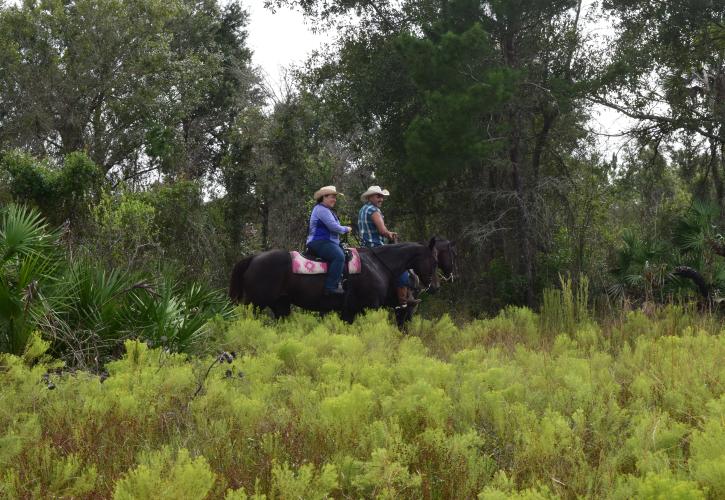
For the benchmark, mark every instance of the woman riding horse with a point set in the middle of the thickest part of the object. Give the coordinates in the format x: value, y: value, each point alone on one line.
x: 267, y: 280
x: 324, y: 237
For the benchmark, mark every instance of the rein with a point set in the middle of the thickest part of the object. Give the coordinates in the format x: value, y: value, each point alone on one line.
x: 442, y: 276
x: 392, y: 274
x: 390, y: 271
x: 445, y: 278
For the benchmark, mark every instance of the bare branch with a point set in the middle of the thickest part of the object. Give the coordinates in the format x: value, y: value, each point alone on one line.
x: 659, y: 119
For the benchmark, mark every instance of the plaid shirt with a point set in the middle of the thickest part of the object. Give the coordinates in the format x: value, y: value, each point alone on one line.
x: 369, y: 234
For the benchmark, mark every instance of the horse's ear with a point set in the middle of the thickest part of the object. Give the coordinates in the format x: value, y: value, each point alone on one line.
x: 432, y: 243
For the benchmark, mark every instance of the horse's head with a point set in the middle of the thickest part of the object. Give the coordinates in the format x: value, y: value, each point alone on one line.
x: 446, y: 258
x: 426, y: 265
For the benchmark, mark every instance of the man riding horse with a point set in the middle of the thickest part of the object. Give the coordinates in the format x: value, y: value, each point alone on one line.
x: 374, y: 233
x: 279, y: 278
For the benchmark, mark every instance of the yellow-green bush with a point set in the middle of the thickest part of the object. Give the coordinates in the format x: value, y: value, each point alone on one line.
x: 166, y: 474
x: 314, y: 408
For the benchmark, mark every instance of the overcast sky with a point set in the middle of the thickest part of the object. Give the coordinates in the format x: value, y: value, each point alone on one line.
x: 281, y: 39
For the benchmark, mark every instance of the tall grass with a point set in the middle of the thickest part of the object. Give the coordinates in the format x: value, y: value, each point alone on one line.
x: 315, y: 408
x: 563, y: 309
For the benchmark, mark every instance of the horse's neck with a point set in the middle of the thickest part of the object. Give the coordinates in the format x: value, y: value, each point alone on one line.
x: 398, y: 257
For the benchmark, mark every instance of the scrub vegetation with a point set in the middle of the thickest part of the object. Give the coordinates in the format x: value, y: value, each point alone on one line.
x: 517, y: 406
x: 576, y: 353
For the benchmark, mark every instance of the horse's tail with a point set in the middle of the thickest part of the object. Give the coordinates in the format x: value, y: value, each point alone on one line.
x: 236, y: 283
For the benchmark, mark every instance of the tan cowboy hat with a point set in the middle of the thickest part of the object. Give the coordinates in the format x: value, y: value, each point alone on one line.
x: 325, y: 190
x: 373, y: 190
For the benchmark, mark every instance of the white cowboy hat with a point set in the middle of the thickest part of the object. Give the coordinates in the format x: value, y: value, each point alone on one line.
x: 374, y: 190
x: 325, y: 190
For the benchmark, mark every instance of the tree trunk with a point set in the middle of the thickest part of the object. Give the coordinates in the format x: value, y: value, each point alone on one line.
x: 527, y: 257
x: 715, y: 165
x: 264, y: 208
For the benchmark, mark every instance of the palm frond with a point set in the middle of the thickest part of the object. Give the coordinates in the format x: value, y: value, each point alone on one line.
x: 23, y: 232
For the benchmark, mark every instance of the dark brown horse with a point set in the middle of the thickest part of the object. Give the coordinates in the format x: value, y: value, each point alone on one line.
x: 266, y: 280
x: 446, y: 251
x: 446, y: 254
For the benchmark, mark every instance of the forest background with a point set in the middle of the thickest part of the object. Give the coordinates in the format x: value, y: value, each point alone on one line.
x: 577, y: 354
x: 143, y: 131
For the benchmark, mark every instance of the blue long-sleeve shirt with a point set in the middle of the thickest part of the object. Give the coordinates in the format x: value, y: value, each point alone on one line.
x: 324, y: 225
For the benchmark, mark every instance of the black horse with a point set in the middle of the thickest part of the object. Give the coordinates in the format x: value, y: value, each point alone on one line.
x: 446, y: 251
x: 266, y: 280
x: 446, y: 254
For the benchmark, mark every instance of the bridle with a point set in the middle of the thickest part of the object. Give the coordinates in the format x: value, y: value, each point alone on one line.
x: 435, y: 272
x: 391, y: 274
x: 448, y: 278
x: 445, y: 278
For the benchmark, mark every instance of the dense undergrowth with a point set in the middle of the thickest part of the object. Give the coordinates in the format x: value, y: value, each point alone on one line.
x: 311, y: 408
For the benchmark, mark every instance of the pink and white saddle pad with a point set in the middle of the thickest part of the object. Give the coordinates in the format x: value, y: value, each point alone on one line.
x: 303, y: 265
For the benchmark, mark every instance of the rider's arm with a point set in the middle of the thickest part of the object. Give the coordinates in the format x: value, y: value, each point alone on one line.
x: 380, y: 225
x: 325, y: 215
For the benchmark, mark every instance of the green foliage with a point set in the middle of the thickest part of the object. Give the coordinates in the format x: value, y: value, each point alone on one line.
x: 183, y: 477
x: 88, y: 76
x: 645, y: 265
x: 315, y: 408
x: 695, y: 228
x: 653, y: 59
x: 695, y: 237
x: 194, y: 245
x: 28, y: 180
x: 174, y: 315
x: 29, y: 260
x: 305, y: 483
x: 88, y: 312
x: 63, y: 475
x: 708, y: 458
x: 142, y: 232
x: 563, y: 310
x: 445, y: 136
x: 657, y: 486
x: 125, y: 234
x: 62, y: 192
x: 85, y: 312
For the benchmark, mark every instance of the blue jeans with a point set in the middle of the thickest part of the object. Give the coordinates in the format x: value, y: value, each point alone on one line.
x: 335, y: 257
x: 404, y: 279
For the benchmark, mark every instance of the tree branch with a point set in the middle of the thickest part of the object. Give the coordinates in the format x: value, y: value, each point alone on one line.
x: 661, y: 120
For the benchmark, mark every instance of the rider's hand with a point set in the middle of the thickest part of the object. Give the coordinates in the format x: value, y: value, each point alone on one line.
x: 349, y: 229
x: 392, y: 236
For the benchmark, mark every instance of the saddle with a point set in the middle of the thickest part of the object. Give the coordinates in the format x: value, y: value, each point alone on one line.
x: 309, y: 264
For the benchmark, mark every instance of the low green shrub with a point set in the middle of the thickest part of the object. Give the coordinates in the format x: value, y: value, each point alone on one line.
x: 311, y: 407
x: 85, y: 311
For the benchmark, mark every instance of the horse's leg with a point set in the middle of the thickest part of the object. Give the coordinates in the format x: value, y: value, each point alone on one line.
x: 281, y: 308
x: 351, y: 306
x: 404, y: 315
x: 348, y: 316
x: 408, y: 316
x: 401, y: 316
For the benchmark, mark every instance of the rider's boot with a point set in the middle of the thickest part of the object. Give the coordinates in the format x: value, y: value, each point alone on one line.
x: 335, y: 291
x: 406, y: 299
